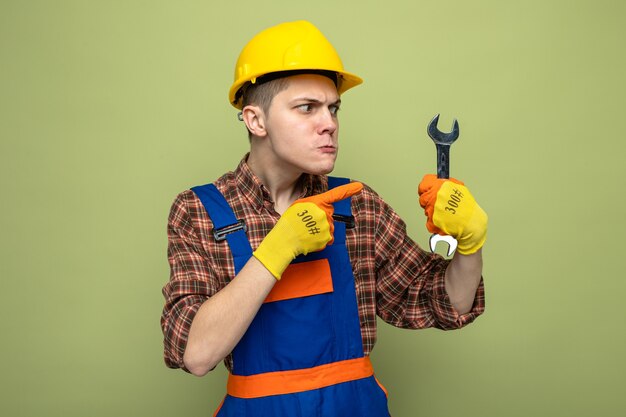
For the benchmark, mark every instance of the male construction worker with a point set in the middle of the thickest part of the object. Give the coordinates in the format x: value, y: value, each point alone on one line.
x: 281, y: 270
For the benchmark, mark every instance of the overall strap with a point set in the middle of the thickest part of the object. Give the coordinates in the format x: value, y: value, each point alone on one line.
x: 343, y: 210
x: 225, y: 224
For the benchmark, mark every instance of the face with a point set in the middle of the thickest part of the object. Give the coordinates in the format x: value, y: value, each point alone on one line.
x: 302, y: 126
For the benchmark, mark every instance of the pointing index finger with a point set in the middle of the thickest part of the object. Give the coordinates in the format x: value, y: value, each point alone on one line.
x: 341, y: 192
x: 326, y: 199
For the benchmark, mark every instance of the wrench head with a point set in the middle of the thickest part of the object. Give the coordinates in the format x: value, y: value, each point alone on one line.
x: 439, y: 137
x: 452, y: 243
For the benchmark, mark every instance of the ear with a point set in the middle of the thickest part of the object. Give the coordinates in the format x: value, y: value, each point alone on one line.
x: 254, y: 118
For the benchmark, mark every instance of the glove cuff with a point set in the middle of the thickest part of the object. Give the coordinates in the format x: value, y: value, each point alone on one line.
x: 269, y: 262
x: 475, y: 234
x: 274, y: 253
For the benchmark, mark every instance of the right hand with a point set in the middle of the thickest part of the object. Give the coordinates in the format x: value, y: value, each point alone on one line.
x: 306, y: 226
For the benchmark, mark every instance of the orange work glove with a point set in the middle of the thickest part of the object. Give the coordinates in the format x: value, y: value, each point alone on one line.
x: 451, y: 210
x: 306, y: 226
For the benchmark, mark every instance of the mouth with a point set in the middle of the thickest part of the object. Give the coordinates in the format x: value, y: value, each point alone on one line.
x: 328, y: 149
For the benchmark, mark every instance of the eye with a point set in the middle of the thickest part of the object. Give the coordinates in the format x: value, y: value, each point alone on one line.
x: 334, y: 109
x: 305, y: 108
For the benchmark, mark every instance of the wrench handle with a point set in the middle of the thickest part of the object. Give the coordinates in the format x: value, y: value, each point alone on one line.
x: 443, y: 171
x: 443, y: 142
x: 443, y: 161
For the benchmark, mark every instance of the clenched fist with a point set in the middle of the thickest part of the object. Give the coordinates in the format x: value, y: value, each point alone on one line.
x: 451, y: 210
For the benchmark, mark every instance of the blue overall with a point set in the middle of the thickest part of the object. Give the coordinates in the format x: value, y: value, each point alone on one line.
x: 300, y: 333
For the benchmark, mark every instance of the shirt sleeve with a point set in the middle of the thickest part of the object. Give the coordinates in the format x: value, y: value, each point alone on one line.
x: 410, y: 285
x: 191, y: 282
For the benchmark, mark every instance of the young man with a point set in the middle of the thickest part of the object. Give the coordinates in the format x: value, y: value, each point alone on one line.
x: 280, y: 270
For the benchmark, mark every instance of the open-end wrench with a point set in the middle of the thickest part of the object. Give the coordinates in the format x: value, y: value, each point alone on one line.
x: 443, y: 141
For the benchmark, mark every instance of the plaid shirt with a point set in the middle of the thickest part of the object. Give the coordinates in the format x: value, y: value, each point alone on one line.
x: 394, y: 278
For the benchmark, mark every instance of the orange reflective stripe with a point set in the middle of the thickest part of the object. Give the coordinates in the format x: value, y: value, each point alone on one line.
x: 382, y: 387
x: 287, y: 382
x: 219, y: 408
x: 301, y: 280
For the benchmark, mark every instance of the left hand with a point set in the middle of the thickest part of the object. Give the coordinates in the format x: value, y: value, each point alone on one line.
x: 451, y: 210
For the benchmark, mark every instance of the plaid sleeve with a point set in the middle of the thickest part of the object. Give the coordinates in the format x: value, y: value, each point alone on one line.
x: 191, y: 279
x: 410, y: 282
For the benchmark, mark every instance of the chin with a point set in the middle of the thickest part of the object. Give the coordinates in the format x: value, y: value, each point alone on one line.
x: 325, y: 170
x: 321, y: 166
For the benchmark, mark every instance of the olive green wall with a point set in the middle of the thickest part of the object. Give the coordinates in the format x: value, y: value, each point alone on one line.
x: 108, y: 109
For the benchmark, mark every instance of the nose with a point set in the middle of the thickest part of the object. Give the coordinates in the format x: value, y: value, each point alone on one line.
x: 328, y: 122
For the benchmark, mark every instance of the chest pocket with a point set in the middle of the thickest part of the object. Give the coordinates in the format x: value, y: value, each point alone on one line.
x: 302, y: 280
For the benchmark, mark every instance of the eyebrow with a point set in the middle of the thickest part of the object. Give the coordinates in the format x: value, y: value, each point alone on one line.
x: 316, y: 101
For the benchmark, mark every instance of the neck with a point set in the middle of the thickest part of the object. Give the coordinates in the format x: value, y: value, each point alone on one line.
x: 283, y: 186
